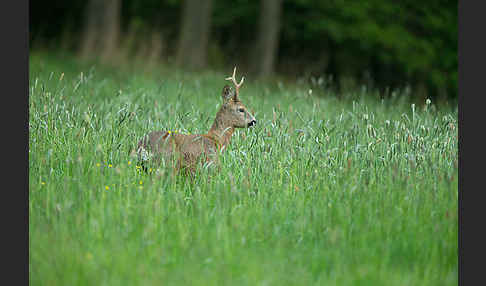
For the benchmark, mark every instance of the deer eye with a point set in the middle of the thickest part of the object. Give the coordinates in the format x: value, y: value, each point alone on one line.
x: 241, y: 110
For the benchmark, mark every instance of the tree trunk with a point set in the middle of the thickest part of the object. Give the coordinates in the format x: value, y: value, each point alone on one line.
x: 90, y: 29
x: 111, y: 29
x: 265, y: 51
x: 194, y: 34
x: 101, y: 29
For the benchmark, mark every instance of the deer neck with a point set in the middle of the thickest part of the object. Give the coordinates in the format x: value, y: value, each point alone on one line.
x: 221, y: 132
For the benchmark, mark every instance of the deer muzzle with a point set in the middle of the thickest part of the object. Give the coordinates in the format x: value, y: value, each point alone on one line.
x: 252, y: 123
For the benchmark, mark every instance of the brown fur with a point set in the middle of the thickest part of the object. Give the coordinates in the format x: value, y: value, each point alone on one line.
x: 184, y: 151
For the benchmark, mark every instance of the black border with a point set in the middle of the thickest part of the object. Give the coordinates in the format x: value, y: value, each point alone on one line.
x: 14, y: 30
x: 471, y: 77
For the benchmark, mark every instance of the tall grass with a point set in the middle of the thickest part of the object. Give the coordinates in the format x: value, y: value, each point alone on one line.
x: 323, y: 191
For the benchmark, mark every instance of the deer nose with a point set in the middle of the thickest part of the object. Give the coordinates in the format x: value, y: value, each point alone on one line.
x: 252, y: 123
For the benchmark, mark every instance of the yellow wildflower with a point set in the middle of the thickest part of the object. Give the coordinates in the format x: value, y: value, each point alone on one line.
x: 107, y: 188
x: 97, y: 164
x: 129, y: 162
x: 110, y: 165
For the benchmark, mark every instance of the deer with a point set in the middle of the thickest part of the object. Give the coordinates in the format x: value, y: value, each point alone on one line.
x: 186, y: 151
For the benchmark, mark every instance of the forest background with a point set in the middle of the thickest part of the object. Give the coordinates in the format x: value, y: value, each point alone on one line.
x: 342, y: 45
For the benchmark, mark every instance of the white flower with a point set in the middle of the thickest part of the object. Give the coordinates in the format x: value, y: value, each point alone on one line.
x: 143, y: 154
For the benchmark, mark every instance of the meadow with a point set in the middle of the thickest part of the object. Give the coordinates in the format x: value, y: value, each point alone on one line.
x: 327, y: 189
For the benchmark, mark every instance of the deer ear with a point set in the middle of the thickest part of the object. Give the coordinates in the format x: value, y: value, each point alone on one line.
x: 227, y: 93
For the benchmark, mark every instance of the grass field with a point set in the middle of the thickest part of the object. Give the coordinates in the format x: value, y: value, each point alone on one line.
x: 325, y: 190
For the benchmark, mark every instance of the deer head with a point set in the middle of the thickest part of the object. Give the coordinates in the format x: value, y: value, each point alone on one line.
x: 233, y: 113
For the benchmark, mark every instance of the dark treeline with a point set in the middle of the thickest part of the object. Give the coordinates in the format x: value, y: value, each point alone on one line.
x: 378, y: 43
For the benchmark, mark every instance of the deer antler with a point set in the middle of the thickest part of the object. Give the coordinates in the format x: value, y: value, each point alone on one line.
x: 237, y: 85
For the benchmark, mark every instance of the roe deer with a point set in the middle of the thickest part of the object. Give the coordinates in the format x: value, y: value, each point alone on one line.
x: 186, y: 150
